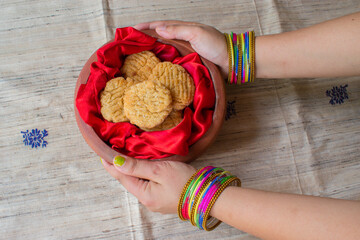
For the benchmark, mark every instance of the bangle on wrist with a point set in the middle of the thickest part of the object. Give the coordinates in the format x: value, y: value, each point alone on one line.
x: 200, y: 193
x: 241, y: 52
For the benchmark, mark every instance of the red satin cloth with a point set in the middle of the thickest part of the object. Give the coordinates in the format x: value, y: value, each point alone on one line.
x: 127, y: 138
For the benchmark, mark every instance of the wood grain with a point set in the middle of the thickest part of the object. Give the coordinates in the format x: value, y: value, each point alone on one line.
x: 285, y: 136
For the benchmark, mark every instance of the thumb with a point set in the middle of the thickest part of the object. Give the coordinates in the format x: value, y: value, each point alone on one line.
x: 139, y: 168
x: 177, y: 31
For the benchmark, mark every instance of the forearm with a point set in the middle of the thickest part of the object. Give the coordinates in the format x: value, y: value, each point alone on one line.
x: 287, y: 216
x: 327, y: 49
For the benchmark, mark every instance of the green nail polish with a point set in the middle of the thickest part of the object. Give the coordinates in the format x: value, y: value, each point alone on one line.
x: 119, y: 161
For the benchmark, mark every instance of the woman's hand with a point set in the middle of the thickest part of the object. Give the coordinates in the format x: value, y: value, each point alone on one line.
x: 157, y: 184
x: 205, y: 40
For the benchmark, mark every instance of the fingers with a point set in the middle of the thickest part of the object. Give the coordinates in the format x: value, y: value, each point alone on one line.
x: 148, y: 25
x: 172, y: 29
x: 144, y: 169
x: 116, y: 174
x: 134, y: 185
x: 155, y: 24
x: 181, y: 32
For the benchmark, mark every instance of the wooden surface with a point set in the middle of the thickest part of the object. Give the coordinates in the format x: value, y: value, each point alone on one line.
x: 281, y: 135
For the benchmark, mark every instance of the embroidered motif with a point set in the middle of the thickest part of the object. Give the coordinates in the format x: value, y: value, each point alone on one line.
x: 230, y: 109
x: 337, y: 94
x: 35, y: 138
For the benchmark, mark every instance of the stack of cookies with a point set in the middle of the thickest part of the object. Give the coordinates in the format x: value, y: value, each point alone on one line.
x: 150, y: 94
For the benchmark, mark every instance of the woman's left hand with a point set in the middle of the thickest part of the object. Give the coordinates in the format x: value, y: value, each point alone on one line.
x: 156, y: 184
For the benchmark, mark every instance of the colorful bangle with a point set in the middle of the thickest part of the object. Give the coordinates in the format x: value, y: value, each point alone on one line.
x: 185, y: 199
x: 200, y: 193
x: 197, y: 186
x: 205, y: 199
x: 195, y: 211
x: 230, y: 53
x: 241, y: 52
x: 212, y: 191
x: 183, y: 194
x: 235, y: 182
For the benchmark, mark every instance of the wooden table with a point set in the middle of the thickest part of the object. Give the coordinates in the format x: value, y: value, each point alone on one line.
x: 280, y: 135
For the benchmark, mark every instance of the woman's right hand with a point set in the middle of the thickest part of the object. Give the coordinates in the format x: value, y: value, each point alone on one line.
x: 207, y: 41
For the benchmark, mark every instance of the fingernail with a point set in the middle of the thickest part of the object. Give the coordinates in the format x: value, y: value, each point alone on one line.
x: 119, y: 161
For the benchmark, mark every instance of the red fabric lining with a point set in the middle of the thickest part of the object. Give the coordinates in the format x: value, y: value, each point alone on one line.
x: 127, y: 138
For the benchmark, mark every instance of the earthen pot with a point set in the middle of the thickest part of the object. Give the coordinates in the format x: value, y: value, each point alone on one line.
x: 195, y: 150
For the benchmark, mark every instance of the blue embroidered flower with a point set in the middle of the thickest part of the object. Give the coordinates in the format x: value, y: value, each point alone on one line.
x: 230, y: 109
x: 337, y: 94
x: 35, y: 138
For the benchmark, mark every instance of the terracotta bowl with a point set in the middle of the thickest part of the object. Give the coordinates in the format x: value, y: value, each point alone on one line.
x: 184, y: 48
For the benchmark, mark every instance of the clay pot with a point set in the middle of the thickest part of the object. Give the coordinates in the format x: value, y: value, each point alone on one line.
x: 184, y: 48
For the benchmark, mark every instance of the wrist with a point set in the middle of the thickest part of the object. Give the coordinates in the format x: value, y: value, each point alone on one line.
x: 218, y: 207
x: 264, y: 60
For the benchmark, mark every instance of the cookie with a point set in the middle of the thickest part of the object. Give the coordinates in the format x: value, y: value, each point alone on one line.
x: 147, y: 104
x: 139, y: 65
x: 111, y: 99
x: 174, y: 118
x: 177, y: 80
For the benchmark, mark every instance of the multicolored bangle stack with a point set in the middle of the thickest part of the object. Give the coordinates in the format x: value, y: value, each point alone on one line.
x: 200, y: 194
x: 241, y: 51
